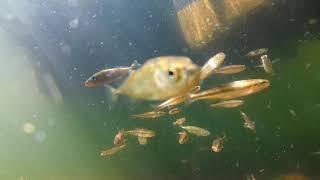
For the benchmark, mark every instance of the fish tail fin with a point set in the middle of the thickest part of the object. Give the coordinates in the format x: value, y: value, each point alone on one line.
x: 224, y: 135
x: 275, y: 60
x: 135, y: 65
x: 190, y: 99
x: 154, y: 106
x: 213, y: 105
x: 114, y: 93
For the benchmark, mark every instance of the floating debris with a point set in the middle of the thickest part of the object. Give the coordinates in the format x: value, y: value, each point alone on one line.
x: 312, y: 21
x: 196, y: 130
x: 179, y: 121
x: 74, y: 23
x: 28, y: 128
x: 228, y: 104
x: 307, y: 66
x: 40, y: 136
x: 111, y: 151
x: 292, y: 112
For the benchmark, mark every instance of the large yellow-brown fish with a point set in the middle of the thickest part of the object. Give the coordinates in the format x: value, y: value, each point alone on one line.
x: 111, y: 151
x: 161, y: 78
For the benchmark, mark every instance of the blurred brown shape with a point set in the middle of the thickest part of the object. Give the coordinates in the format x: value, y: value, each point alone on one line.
x: 234, y: 9
x: 201, y: 21
x: 197, y: 22
x: 292, y: 176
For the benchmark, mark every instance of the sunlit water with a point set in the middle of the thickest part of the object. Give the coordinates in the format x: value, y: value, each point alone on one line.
x: 52, y: 127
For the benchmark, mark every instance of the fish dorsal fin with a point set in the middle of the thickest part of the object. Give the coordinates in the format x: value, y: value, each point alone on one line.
x: 135, y: 65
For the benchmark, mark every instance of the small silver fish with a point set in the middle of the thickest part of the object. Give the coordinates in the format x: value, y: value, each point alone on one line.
x: 174, y: 111
x: 149, y: 115
x: 183, y: 137
x: 232, y: 90
x: 212, y: 64
x: 232, y: 69
x: 248, y: 123
x: 179, y: 121
x: 266, y: 64
x: 196, y: 130
x: 257, y: 52
x: 108, y: 76
x: 251, y: 177
x: 111, y: 151
x: 177, y: 99
x: 217, y: 144
x: 119, y: 138
x: 141, y: 132
x: 228, y: 104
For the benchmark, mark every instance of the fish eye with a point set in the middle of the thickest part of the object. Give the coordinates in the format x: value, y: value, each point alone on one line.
x: 171, y: 73
x: 93, y: 78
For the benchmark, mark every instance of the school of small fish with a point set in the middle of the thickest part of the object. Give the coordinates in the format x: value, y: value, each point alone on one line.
x: 177, y: 80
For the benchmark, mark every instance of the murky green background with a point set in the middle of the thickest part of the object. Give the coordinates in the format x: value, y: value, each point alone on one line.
x: 42, y: 72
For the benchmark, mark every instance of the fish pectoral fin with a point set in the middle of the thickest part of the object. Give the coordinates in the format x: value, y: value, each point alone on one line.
x: 114, y: 93
x: 275, y: 60
x: 135, y: 65
x: 154, y: 106
x: 259, y: 66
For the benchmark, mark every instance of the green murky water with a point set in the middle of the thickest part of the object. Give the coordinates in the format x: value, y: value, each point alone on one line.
x: 48, y: 135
